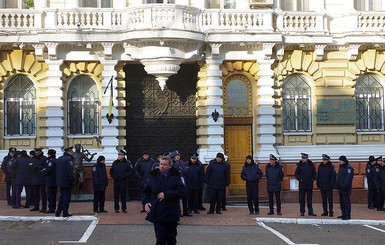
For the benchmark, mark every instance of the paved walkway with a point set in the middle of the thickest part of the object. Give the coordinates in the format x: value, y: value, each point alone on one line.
x: 235, y: 215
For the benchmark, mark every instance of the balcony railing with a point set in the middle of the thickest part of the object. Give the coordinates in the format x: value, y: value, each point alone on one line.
x: 371, y: 21
x: 288, y: 22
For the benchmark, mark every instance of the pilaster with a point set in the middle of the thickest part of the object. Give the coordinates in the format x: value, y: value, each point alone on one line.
x: 54, y: 103
x: 109, y: 139
x: 209, y: 100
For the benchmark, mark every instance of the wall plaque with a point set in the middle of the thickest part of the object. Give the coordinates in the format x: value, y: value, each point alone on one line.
x: 336, y: 111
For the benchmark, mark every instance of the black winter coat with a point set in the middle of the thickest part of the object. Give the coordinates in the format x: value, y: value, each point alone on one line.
x: 50, y: 172
x: 143, y: 169
x: 369, y: 171
x: 305, y: 174
x: 274, y: 176
x: 23, y: 171
x: 194, y: 175
x: 345, y: 179
x: 326, y: 176
x: 173, y: 188
x: 64, y: 171
x: 218, y: 174
x: 5, y: 168
x: 38, y: 164
x: 251, y: 173
x: 121, y: 170
x: 99, y: 177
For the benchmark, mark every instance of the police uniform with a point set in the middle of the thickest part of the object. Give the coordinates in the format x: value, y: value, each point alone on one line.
x: 372, y: 192
x: 379, y: 180
x: 305, y: 174
x: 181, y: 166
x: 65, y: 179
x: 120, y: 171
x: 194, y: 179
x: 251, y: 173
x: 326, y: 179
x: 142, y: 171
x: 10, y: 175
x: 38, y: 181
x: 50, y: 180
x: 344, y: 187
x: 100, y: 183
x: 274, y: 176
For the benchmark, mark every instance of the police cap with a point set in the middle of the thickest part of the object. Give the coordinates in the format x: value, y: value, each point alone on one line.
x: 325, y: 157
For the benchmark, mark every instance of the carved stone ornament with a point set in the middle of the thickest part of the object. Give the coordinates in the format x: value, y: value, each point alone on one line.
x: 162, y: 68
x: 39, y: 51
x: 353, y: 51
x: 319, y: 52
x: 52, y: 50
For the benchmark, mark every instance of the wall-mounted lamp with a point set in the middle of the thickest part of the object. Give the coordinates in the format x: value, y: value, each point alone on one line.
x: 215, y: 115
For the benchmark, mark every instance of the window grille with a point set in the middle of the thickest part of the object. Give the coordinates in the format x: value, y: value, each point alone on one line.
x: 369, y: 95
x: 83, y: 103
x: 296, y: 104
x: 20, y: 106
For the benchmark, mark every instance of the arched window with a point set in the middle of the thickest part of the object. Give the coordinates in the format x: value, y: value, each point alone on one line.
x: 83, y: 102
x: 20, y: 106
x: 296, y: 104
x: 237, y: 99
x: 369, y: 103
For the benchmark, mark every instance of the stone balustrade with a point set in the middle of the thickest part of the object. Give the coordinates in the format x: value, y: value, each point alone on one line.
x: 301, y: 22
x: 371, y: 21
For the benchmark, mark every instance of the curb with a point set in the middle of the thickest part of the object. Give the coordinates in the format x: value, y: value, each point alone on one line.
x: 321, y: 221
x: 47, y: 218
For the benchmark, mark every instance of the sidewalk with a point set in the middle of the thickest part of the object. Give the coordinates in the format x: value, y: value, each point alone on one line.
x: 235, y: 215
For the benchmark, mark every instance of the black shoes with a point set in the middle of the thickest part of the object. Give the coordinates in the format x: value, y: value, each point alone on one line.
x: 116, y: 210
x: 324, y: 214
x: 251, y: 212
x: 124, y: 211
x: 202, y: 208
x: 50, y: 211
x: 96, y: 211
x: 346, y: 218
x: 302, y: 214
x: 103, y: 210
x: 142, y: 211
x: 270, y: 213
x: 67, y: 215
x: 279, y: 213
x: 218, y: 212
x: 34, y: 209
x: 312, y: 214
x: 196, y: 212
x: 224, y: 209
x: 340, y: 217
x: 331, y: 214
x: 210, y: 212
x: 43, y: 210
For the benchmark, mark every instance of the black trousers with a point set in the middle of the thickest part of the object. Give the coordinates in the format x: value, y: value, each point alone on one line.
x: 193, y: 199
x: 309, y: 200
x: 99, y: 200
x: 216, y: 197
x: 277, y: 195
x: 165, y: 232
x: 372, y: 197
x: 39, y: 190
x: 120, y: 190
x: 380, y: 199
x: 327, y: 198
x: 346, y: 205
x: 8, y: 187
x: 51, y: 197
x: 252, y: 196
x: 64, y: 201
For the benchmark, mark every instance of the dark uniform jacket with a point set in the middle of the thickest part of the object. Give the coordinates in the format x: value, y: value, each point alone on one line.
x: 369, y: 171
x: 64, y: 171
x: 380, y: 175
x: 218, y: 174
x: 305, y: 174
x: 194, y: 175
x: 23, y: 171
x: 274, y: 176
x: 173, y: 188
x: 345, y: 179
x: 377, y: 177
x: 143, y: 169
x: 121, y: 170
x: 38, y: 164
x: 5, y: 168
x: 251, y: 172
x: 326, y: 176
x: 99, y: 177
x: 50, y: 172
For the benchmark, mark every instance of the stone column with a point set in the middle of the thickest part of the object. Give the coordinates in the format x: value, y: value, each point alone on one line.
x: 55, y: 113
x: 265, y: 120
x: 210, y: 133
x: 109, y: 133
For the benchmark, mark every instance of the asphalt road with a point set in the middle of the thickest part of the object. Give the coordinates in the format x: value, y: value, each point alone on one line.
x: 87, y: 232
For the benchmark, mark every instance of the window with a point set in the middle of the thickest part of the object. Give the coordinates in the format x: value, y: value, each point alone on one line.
x: 296, y: 104
x: 237, y: 97
x: 368, y: 5
x: 369, y: 103
x: 83, y: 102
x: 161, y: 1
x: 222, y: 4
x: 96, y: 3
x: 20, y: 106
x: 295, y: 5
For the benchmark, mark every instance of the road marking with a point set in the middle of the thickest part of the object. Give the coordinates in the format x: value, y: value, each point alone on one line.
x: 374, y: 228
x: 86, y: 234
x: 280, y: 235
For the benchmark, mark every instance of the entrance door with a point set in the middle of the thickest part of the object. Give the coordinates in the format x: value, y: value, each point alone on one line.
x: 237, y: 146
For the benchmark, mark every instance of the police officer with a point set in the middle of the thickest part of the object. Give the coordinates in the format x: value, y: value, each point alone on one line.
x: 305, y: 174
x: 50, y: 180
x: 7, y: 168
x: 23, y: 178
x: 194, y: 179
x: 142, y: 170
x: 344, y: 187
x: 160, y: 197
x: 251, y: 173
x: 372, y: 192
x: 38, y: 181
x: 379, y: 181
x: 100, y: 183
x: 326, y: 179
x: 217, y: 178
x: 120, y: 170
x: 64, y: 179
x: 274, y: 176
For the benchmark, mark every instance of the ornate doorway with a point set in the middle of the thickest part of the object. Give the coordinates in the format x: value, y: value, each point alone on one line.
x: 160, y: 121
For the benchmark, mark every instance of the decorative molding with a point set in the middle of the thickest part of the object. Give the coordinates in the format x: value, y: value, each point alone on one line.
x: 39, y: 51
x: 215, y: 48
x: 267, y: 49
x: 353, y: 51
x: 280, y: 51
x: 319, y: 52
x: 52, y: 50
x: 108, y: 49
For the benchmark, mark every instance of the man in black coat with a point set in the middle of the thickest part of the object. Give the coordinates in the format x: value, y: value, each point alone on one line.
x: 160, y: 197
x: 100, y: 183
x: 274, y: 176
x: 217, y: 178
x: 305, y: 174
x: 372, y: 191
x: 344, y: 187
x: 326, y: 179
x: 38, y: 181
x: 142, y: 170
x: 8, y: 160
x: 120, y: 170
x: 194, y: 178
x: 65, y: 179
x: 50, y: 180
